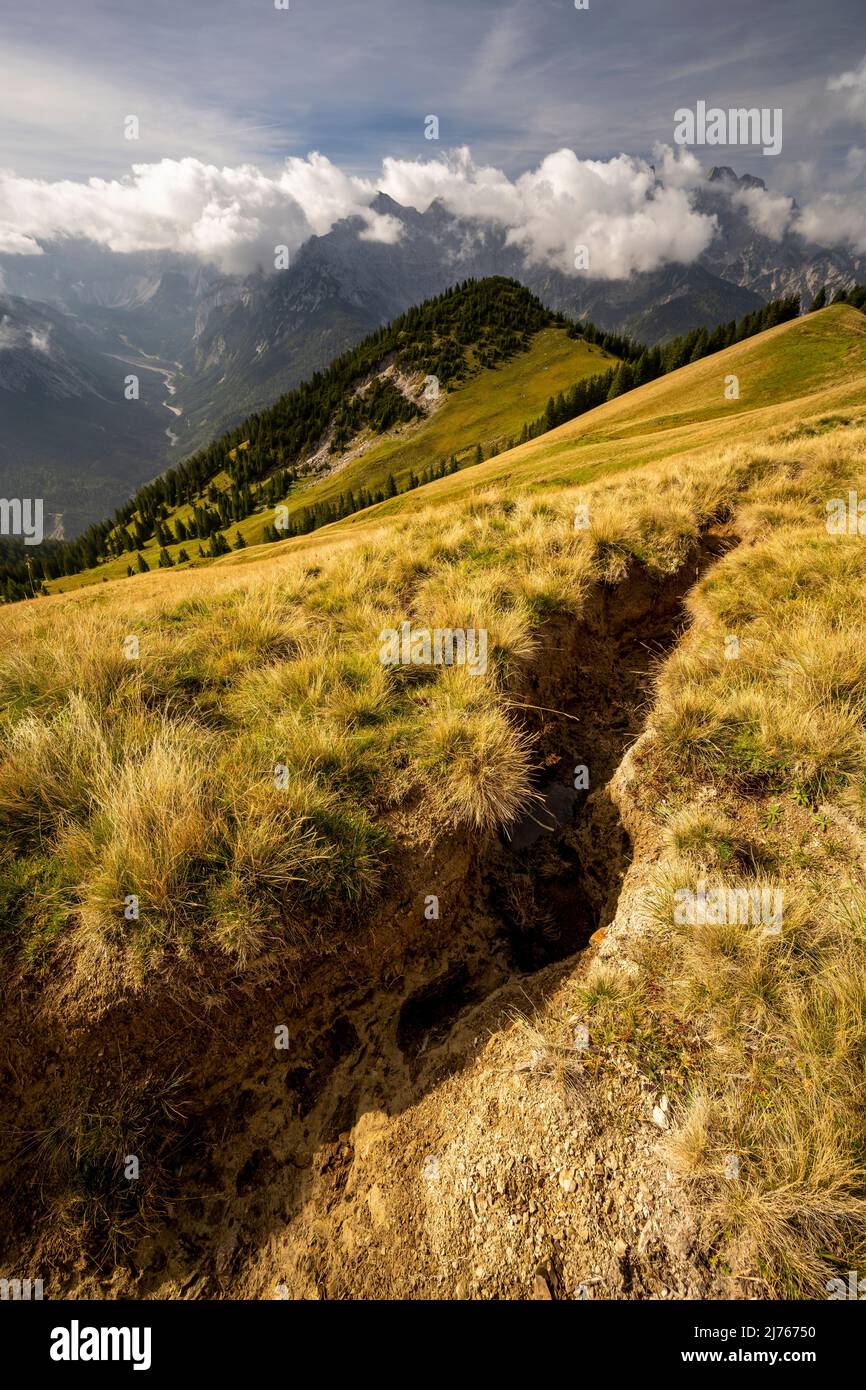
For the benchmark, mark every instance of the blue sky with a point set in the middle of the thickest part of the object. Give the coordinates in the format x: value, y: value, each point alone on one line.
x: 234, y: 80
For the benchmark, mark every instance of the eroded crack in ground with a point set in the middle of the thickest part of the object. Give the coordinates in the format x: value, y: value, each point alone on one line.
x: 403, y: 1147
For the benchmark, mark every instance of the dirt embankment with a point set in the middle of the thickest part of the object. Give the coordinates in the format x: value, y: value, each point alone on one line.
x: 418, y: 1136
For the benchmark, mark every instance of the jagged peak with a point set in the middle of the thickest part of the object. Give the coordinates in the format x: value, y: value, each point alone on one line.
x: 723, y: 173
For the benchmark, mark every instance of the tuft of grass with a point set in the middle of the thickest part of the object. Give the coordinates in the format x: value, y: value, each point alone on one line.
x: 556, y: 1059
x: 82, y: 1155
x: 478, y: 764
x: 704, y: 835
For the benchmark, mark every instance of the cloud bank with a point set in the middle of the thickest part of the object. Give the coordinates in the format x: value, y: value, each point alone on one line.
x: 617, y: 209
x: 237, y: 217
x: 606, y: 218
x: 232, y: 217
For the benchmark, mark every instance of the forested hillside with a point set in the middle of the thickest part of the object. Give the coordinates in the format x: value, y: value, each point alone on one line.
x: 448, y: 340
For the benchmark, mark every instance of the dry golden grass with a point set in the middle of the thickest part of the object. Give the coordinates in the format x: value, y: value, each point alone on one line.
x: 761, y: 759
x: 155, y: 777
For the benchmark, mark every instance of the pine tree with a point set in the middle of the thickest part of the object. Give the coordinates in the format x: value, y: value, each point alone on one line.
x: 218, y: 545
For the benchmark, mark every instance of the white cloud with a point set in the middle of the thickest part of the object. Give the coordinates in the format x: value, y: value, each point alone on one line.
x: 851, y: 86
x: 767, y: 212
x: 40, y: 340
x: 678, y: 167
x: 617, y: 208
x: 835, y: 219
x: 382, y: 227
x: 15, y: 243
x: 14, y: 336
x: 235, y: 217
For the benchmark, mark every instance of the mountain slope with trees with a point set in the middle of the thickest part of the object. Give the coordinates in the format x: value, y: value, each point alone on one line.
x: 209, y: 500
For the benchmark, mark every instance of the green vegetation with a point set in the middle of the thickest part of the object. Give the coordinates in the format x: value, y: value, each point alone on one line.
x: 470, y: 327
x: 254, y: 775
x: 640, y: 365
x: 458, y: 340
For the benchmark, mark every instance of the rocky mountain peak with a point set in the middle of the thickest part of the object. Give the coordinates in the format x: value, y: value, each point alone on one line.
x: 723, y: 173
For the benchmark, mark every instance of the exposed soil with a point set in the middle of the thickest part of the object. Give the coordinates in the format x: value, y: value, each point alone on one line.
x: 407, y: 1142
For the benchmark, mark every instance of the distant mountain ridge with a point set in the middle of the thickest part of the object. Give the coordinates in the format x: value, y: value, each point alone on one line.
x: 755, y: 261
x: 264, y: 334
x: 242, y: 341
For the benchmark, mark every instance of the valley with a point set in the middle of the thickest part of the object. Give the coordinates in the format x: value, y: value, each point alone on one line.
x: 168, y: 374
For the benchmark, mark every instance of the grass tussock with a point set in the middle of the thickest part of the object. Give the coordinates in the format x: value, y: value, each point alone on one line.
x: 103, y: 1164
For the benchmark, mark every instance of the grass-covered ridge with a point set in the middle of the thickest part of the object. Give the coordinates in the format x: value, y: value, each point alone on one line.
x: 455, y: 380
x: 485, y: 411
x: 470, y: 327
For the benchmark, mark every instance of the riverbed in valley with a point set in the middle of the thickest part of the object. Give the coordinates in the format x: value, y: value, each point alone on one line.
x: 146, y: 361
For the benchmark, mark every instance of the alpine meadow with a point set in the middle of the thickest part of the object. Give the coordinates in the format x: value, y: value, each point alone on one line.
x: 432, y: 670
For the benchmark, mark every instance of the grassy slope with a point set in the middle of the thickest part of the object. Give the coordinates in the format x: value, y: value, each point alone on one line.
x: 752, y: 771
x: 823, y: 356
x: 810, y: 366
x: 488, y: 409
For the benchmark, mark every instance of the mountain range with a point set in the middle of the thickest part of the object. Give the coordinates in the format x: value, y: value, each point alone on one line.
x: 211, y: 348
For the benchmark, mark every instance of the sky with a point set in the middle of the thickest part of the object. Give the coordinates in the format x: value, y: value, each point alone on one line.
x: 238, y: 84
